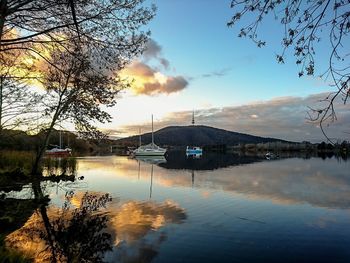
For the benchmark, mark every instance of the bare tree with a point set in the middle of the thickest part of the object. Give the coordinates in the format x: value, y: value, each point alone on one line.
x: 78, y: 46
x: 75, y: 91
x: 306, y: 24
x: 108, y: 29
x: 17, y: 101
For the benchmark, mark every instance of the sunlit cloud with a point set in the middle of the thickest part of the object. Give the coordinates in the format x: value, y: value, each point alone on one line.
x: 147, y: 74
x: 148, y: 81
x: 282, y: 117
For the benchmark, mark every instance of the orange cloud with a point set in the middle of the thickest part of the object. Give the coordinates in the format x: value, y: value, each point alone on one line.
x: 149, y: 81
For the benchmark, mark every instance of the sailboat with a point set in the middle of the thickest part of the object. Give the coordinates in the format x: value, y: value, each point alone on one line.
x: 58, y: 151
x: 150, y: 149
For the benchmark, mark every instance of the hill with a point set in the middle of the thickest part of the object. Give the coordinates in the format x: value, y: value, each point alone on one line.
x: 195, y: 135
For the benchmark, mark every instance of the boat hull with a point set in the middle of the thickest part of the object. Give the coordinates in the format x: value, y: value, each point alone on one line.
x: 153, y: 153
x: 194, y: 151
x: 58, y: 152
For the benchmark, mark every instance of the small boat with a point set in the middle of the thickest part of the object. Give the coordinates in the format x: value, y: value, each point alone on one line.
x: 270, y: 155
x: 59, y: 152
x: 149, y: 149
x: 191, y: 150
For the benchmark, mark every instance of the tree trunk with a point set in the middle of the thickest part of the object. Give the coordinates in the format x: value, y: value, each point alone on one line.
x: 3, y: 11
x: 1, y: 98
x: 43, y: 146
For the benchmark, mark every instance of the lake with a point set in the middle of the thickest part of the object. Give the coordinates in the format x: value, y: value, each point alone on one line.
x: 218, y: 208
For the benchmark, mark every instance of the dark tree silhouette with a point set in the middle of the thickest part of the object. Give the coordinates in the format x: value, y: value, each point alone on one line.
x: 108, y: 31
x: 75, y: 91
x: 35, y: 25
x: 69, y: 234
x: 76, y: 49
x: 78, y: 235
x: 306, y: 24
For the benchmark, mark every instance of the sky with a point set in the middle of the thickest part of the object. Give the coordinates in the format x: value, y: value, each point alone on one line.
x: 193, y: 61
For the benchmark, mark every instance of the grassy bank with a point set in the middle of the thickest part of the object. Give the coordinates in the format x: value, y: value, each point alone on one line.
x: 16, y: 161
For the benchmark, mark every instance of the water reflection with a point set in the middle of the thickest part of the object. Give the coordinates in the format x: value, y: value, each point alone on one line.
x: 59, y: 167
x: 227, y: 212
x: 285, y: 181
x: 90, y: 224
x: 151, y: 159
x: 194, y: 155
x: 207, y: 161
x: 65, y: 235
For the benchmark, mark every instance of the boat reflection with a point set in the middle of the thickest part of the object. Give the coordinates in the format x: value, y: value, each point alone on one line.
x: 194, y: 155
x: 151, y: 159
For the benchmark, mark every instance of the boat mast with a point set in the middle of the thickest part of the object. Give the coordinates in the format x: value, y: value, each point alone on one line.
x: 60, y: 133
x: 152, y: 131
x: 140, y: 136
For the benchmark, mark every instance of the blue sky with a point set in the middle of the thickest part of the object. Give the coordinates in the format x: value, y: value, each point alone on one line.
x: 196, y: 40
x: 220, y: 69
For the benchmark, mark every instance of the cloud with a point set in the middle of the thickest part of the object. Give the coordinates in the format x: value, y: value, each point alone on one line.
x: 172, y: 84
x: 149, y: 81
x: 147, y: 76
x: 283, y: 117
x: 218, y: 73
x: 154, y: 51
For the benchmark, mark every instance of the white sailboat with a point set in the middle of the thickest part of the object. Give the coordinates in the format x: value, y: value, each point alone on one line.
x: 150, y: 149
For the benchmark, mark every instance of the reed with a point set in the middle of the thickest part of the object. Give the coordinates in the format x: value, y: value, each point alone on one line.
x: 20, y: 161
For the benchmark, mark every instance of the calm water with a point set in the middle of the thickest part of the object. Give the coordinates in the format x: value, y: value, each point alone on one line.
x: 219, y: 208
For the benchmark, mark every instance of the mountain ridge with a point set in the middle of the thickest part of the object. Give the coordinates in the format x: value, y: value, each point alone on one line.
x: 195, y: 135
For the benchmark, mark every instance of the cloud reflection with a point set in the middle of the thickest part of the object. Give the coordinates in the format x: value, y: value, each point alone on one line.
x: 314, y: 181
x: 118, y: 227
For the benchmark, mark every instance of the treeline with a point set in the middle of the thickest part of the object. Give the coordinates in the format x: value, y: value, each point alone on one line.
x: 16, y: 140
x: 343, y: 147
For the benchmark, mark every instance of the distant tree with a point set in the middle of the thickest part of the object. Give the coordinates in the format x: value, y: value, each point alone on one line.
x: 305, y: 24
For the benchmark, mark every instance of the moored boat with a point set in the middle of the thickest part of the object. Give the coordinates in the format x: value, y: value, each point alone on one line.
x: 149, y: 149
x: 59, y: 152
x: 194, y: 150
